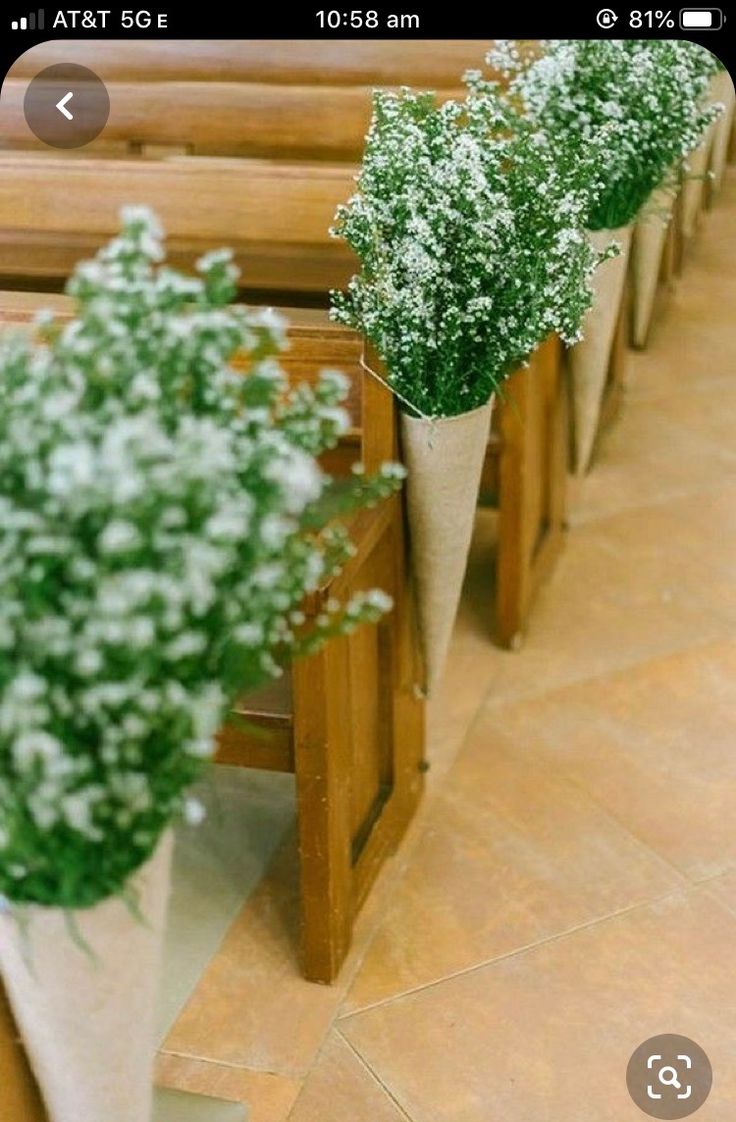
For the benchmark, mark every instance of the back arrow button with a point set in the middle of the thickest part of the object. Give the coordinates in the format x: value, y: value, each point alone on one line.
x: 61, y: 106
x: 66, y: 106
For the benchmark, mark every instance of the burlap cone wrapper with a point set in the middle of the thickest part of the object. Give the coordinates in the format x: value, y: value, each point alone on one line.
x: 722, y: 91
x: 89, y: 1025
x: 590, y: 358
x: 444, y: 460
x: 647, y: 248
x: 694, y: 182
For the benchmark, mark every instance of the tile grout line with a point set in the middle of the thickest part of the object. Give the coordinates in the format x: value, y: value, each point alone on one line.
x: 709, y: 886
x: 704, y: 882
x: 524, y: 698
x: 685, y: 889
x: 211, y: 1061
x: 574, y: 781
x: 374, y: 1076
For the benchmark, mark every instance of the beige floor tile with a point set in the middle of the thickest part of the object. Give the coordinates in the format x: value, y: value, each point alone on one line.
x: 724, y: 889
x: 648, y: 457
x: 510, y: 855
x: 686, y: 355
x: 184, y: 1106
x: 680, y: 553
x: 473, y: 661
x: 713, y: 519
x: 252, y: 1008
x: 626, y: 589
x: 545, y: 1036
x: 269, y: 1098
x: 654, y: 745
x: 341, y: 1089
x: 708, y: 413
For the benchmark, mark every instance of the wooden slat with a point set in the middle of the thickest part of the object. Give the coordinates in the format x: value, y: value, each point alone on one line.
x: 218, y: 118
x: 202, y: 199
x: 322, y: 724
x: 38, y: 261
x: 20, y: 1100
x: 262, y: 740
x: 404, y: 725
x: 531, y: 485
x: 314, y: 340
x: 425, y: 63
x: 276, y: 216
x: 315, y: 343
x: 370, y: 663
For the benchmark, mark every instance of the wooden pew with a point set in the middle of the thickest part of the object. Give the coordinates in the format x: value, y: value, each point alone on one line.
x: 347, y: 720
x: 274, y: 212
x: 243, y: 98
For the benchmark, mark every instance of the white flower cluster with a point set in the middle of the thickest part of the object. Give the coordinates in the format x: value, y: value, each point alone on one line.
x: 639, y: 105
x: 468, y: 225
x: 161, y: 523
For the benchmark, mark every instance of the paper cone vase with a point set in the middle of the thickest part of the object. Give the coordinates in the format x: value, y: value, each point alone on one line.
x: 88, y: 1024
x: 647, y: 248
x: 693, y: 184
x: 722, y: 91
x: 590, y: 358
x: 444, y: 460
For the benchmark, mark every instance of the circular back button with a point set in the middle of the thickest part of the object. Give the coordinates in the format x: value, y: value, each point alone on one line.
x: 66, y: 105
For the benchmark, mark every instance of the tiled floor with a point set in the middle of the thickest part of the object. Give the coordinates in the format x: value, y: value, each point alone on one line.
x: 569, y: 886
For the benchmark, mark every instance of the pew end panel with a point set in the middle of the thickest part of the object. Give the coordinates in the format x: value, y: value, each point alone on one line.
x: 532, y: 482
x: 351, y: 727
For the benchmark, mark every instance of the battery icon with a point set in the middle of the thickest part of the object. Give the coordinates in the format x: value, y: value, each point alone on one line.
x: 701, y: 19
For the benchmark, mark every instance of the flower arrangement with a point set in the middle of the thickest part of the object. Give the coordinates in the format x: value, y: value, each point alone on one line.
x: 639, y: 105
x: 163, y: 516
x: 468, y: 226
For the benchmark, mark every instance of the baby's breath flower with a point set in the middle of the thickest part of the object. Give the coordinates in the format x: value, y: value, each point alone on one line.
x: 467, y: 228
x: 637, y: 105
x: 163, y: 517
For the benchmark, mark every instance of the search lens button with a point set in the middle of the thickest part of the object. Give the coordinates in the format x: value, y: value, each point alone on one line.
x: 669, y: 1076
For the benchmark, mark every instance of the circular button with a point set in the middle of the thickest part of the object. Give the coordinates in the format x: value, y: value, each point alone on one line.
x: 669, y: 1076
x: 66, y: 105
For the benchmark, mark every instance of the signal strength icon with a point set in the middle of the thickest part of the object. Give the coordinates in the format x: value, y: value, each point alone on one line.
x: 33, y: 22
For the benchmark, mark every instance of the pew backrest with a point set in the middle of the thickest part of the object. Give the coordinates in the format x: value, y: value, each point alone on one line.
x: 303, y: 100
x: 314, y: 344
